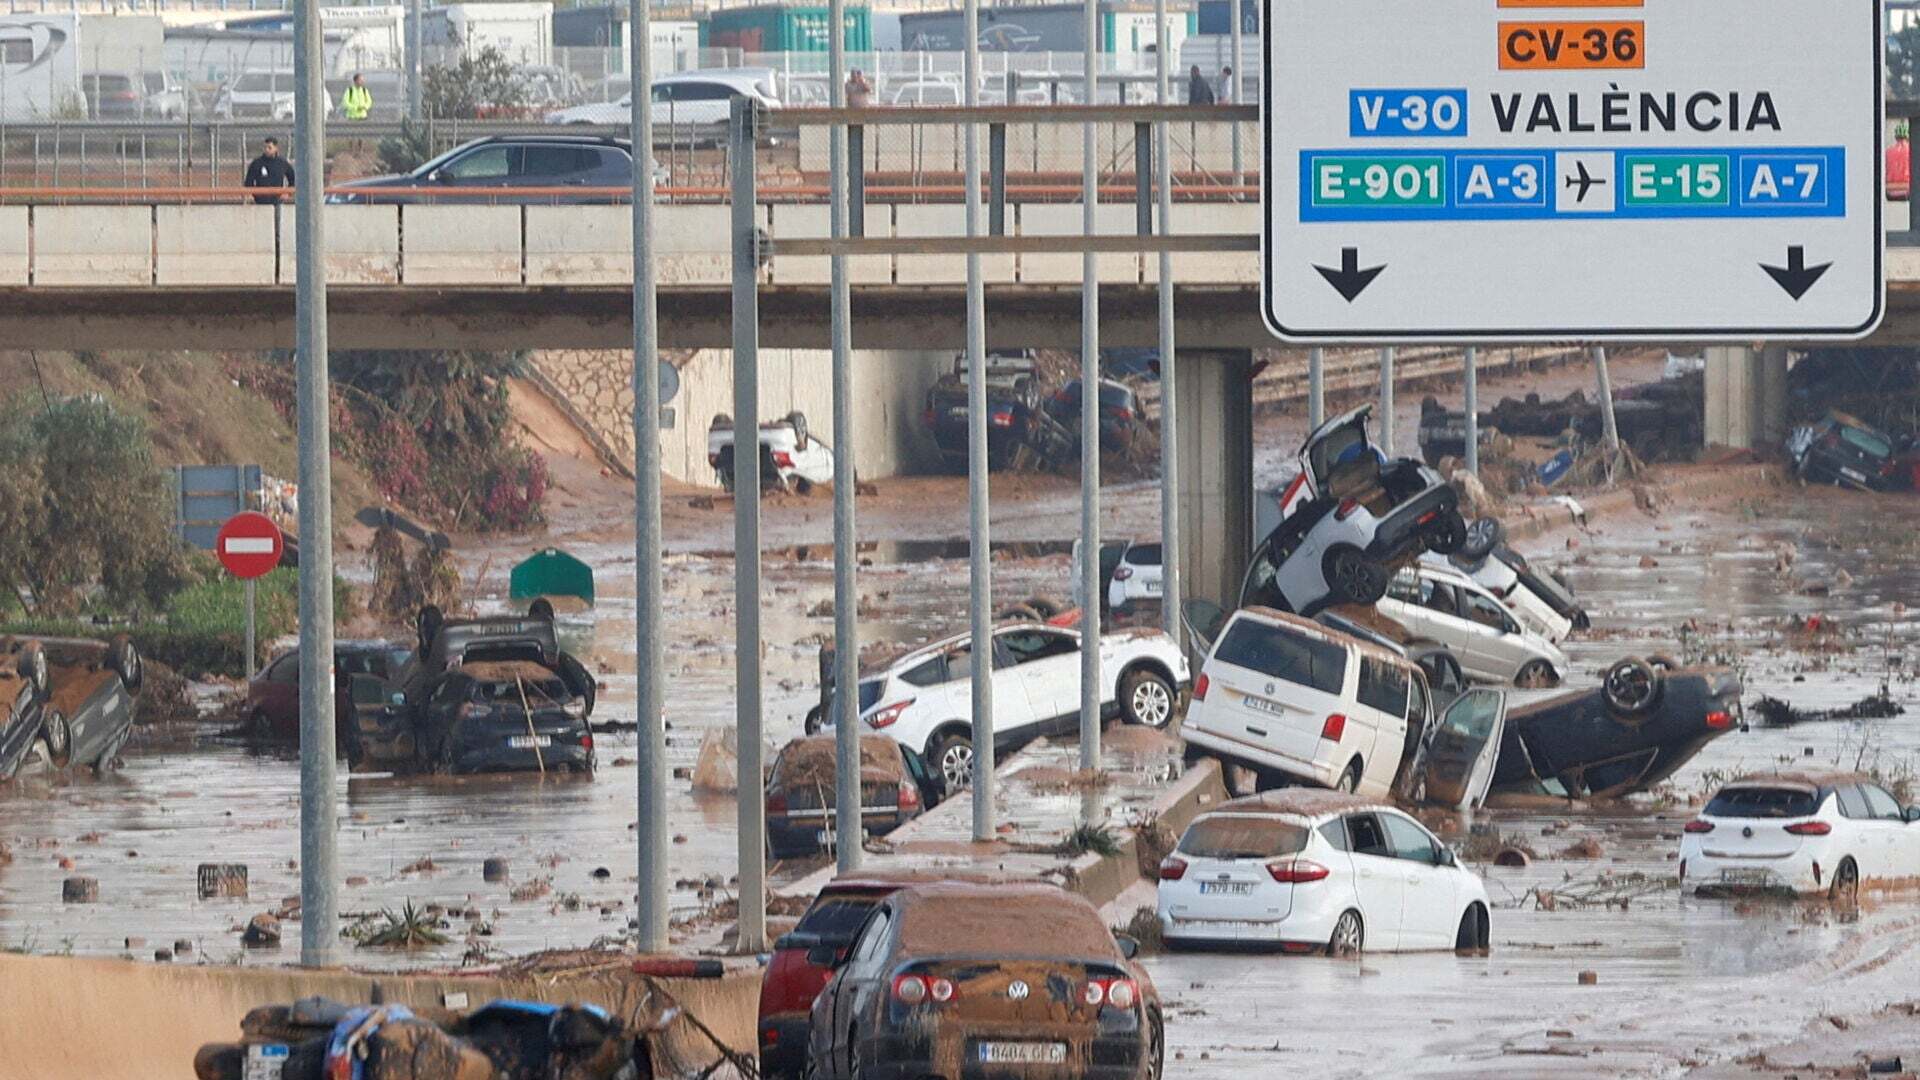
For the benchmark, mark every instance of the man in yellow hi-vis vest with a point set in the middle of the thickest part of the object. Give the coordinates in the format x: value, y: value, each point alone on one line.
x: 358, y: 100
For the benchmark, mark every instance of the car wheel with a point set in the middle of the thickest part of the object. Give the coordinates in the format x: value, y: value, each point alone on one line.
x: 1354, y: 578
x: 1146, y: 699
x: 816, y: 719
x: 952, y: 754
x: 1447, y: 534
x: 1349, y: 780
x: 1536, y: 675
x: 59, y: 738
x: 32, y: 666
x: 1846, y: 884
x: 1483, y: 535
x: 125, y: 659
x: 1474, y: 932
x: 1631, y: 687
x: 1156, y: 1047
x: 1349, y: 936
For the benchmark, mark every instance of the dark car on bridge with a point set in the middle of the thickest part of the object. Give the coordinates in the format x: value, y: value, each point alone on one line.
x: 478, y: 171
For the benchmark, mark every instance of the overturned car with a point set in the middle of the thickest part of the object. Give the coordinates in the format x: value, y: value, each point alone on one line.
x: 791, y: 460
x: 71, y: 702
x: 480, y: 695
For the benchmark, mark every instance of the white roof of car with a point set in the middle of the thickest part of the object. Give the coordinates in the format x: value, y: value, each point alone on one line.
x: 1325, y: 633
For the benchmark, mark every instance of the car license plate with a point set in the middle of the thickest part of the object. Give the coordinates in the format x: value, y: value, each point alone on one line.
x: 1260, y: 704
x: 1155, y: 588
x: 1745, y: 877
x: 1023, y: 1053
x: 528, y: 742
x: 959, y: 411
x: 1226, y: 888
x: 1856, y: 477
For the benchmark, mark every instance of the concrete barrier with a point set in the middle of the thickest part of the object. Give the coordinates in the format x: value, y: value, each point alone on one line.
x: 945, y: 220
x: 93, y: 245
x: 363, y: 245
x: 1216, y: 267
x: 1060, y: 219
x: 694, y: 245
x: 15, y: 267
x: 580, y: 245
x: 463, y: 245
x: 214, y: 245
x: 121, y: 1020
x: 799, y: 222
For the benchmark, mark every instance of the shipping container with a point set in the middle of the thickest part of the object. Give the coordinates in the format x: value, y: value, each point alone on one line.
x: 1216, y: 17
x: 783, y: 28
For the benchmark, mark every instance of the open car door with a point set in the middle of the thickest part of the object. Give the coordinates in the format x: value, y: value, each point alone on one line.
x: 1204, y: 620
x: 1462, y: 749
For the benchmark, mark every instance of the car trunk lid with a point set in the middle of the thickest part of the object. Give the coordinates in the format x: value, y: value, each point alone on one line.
x: 1753, y: 821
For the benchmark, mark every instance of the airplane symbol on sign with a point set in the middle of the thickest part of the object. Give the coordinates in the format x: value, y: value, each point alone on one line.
x: 1584, y: 181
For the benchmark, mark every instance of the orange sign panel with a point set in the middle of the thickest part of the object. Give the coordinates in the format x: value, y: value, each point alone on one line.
x: 1572, y: 46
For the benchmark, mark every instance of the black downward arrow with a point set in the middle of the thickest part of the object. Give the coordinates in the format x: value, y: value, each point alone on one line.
x: 1796, y: 277
x: 1350, y: 281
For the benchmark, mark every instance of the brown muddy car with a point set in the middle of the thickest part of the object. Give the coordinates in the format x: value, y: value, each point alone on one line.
x: 964, y: 980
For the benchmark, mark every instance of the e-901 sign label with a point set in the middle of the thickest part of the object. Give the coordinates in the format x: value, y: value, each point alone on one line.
x: 1380, y: 181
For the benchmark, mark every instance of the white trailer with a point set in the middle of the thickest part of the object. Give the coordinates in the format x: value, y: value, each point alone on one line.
x: 40, y: 67
x: 523, y: 33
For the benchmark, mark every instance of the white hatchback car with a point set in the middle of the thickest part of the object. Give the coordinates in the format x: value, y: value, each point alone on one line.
x: 1801, y: 833
x: 790, y: 458
x: 1442, y: 604
x: 1317, y: 871
x: 925, y: 698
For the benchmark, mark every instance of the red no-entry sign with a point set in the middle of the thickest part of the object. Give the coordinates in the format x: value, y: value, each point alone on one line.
x: 249, y: 545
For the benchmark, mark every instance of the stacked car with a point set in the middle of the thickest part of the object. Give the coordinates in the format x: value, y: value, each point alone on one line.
x: 1020, y: 431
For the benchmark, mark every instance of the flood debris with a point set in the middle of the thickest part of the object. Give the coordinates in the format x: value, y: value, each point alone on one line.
x: 1774, y: 712
x: 79, y: 890
x: 222, y: 881
x: 408, y: 929
x: 1612, y: 892
x: 493, y: 870
x: 262, y: 932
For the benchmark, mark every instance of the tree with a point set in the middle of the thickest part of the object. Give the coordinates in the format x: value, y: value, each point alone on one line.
x: 484, y: 80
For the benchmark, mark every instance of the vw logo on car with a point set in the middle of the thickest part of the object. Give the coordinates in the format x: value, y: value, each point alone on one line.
x: 1017, y: 990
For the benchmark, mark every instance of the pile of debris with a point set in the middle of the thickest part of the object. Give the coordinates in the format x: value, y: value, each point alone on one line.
x: 1774, y: 712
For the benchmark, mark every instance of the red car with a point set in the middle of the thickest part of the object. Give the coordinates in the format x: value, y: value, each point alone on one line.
x: 273, y: 694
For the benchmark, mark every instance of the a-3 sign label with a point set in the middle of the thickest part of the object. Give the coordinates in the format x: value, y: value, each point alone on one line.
x: 1592, y: 169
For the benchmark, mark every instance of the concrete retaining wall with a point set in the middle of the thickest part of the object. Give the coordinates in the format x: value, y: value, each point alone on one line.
x: 214, y: 245
x: 14, y: 263
x: 93, y: 245
x: 891, y: 386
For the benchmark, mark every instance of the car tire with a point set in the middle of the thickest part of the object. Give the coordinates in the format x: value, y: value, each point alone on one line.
x: 1352, y: 577
x: 1846, y: 883
x: 1349, y: 936
x: 1631, y: 688
x: 816, y: 719
x: 58, y: 735
x: 1350, y: 780
x: 1483, y: 535
x: 1474, y: 934
x: 1536, y: 675
x: 1156, y: 1046
x: 32, y: 666
x: 1146, y: 699
x: 952, y: 755
x: 1447, y: 534
x: 125, y: 660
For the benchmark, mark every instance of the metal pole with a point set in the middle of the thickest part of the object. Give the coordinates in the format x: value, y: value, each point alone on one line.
x: 1090, y: 416
x: 246, y: 666
x: 1233, y: 87
x: 416, y: 37
x: 980, y: 561
x: 746, y: 530
x: 1473, y: 410
x: 1386, y: 400
x: 1610, y: 431
x: 846, y: 595
x: 319, y: 908
x: 1316, y: 388
x: 1170, y: 594
x: 652, y: 906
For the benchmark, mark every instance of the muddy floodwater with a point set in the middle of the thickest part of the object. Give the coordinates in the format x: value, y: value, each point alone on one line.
x: 1679, y: 981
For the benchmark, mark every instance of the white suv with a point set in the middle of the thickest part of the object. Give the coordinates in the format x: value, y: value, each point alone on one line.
x: 1284, y: 695
x: 1444, y: 605
x: 925, y: 698
x: 1803, y: 833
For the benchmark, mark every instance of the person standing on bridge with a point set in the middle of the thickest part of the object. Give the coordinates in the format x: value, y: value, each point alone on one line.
x: 1225, y: 95
x: 357, y: 102
x: 1198, y: 92
x: 269, y: 170
x: 859, y: 90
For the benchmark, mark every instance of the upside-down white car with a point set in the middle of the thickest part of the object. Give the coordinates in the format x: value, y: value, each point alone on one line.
x: 925, y: 698
x: 1802, y: 833
x: 790, y: 458
x: 1319, y: 871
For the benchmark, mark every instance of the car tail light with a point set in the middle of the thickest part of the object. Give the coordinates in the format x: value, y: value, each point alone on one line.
x: 1426, y: 517
x: 1001, y: 417
x: 777, y: 802
x: 918, y: 989
x: 1119, y: 993
x: 1172, y: 869
x: 1335, y: 727
x: 1816, y: 873
x: 1200, y: 688
x: 1810, y: 828
x: 782, y: 459
x: 1698, y: 826
x: 586, y: 740
x: 885, y: 717
x: 1123, y: 415
x: 1122, y: 573
x: 1719, y: 720
x: 909, y: 795
x: 1346, y: 509
x: 1296, y: 871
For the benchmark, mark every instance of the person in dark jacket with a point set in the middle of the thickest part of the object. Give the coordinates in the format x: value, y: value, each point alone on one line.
x: 1198, y: 91
x: 269, y: 170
